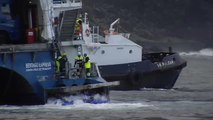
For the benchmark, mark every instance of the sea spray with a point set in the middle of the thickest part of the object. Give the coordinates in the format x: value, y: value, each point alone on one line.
x: 81, y: 98
x: 202, y: 52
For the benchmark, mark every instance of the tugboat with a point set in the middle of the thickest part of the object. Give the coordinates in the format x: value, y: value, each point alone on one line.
x: 29, y: 52
x: 119, y: 58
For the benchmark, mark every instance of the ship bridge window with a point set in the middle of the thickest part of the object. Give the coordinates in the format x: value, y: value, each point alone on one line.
x: 130, y: 51
x: 59, y: 1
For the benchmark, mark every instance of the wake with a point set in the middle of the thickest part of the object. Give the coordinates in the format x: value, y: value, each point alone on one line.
x: 202, y: 52
x: 78, y: 103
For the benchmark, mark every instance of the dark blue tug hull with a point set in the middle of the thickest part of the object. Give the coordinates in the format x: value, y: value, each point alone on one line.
x: 157, y: 70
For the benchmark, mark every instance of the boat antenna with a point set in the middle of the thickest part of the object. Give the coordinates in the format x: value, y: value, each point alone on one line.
x: 111, y: 29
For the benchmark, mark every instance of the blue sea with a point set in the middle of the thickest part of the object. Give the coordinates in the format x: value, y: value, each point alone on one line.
x: 190, y: 99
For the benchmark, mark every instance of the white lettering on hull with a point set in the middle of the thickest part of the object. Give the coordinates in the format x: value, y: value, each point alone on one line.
x: 43, y: 66
x: 162, y: 64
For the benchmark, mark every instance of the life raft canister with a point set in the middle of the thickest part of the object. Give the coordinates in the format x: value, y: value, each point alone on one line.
x: 87, y: 31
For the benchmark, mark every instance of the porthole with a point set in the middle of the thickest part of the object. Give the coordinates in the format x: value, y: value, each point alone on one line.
x: 130, y: 51
x: 102, y: 52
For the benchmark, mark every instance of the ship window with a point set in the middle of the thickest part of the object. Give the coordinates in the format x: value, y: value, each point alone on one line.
x: 59, y: 1
x: 102, y: 52
x: 130, y: 51
x: 174, y: 59
x: 5, y: 10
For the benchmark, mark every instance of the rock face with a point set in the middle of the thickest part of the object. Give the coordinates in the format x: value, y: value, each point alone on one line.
x: 177, y: 23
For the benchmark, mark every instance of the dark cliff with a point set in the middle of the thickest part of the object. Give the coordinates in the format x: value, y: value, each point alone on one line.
x: 157, y: 24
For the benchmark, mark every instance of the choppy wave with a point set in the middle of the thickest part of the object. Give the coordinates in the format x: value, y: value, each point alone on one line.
x: 105, y: 106
x: 202, y: 52
x: 69, y: 100
x: 78, y: 103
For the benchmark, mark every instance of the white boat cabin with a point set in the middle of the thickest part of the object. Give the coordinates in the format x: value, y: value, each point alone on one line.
x: 114, y: 48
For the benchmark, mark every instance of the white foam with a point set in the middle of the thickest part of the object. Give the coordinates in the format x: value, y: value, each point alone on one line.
x: 105, y: 106
x: 81, y: 106
x: 77, y: 103
x: 202, y: 52
x: 153, y: 89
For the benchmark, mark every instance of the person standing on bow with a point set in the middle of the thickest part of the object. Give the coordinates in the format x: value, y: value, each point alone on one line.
x: 61, y: 62
x: 79, y: 63
x: 87, y: 65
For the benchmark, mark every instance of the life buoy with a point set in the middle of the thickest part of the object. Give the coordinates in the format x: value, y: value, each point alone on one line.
x: 87, y: 32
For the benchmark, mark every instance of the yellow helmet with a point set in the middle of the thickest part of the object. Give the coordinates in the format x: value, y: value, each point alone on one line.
x: 64, y: 54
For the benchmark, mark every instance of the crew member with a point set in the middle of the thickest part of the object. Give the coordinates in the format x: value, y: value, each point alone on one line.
x: 58, y: 64
x: 78, y: 28
x: 61, y: 64
x: 87, y: 65
x: 86, y: 56
x: 79, y: 25
x: 79, y: 63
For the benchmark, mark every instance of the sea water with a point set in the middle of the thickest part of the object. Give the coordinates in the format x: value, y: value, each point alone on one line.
x: 190, y: 99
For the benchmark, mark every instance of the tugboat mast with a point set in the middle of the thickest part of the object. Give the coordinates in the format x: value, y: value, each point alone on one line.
x: 111, y: 29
